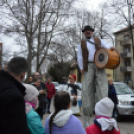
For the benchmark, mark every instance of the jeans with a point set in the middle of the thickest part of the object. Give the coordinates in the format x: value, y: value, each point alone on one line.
x: 48, y: 104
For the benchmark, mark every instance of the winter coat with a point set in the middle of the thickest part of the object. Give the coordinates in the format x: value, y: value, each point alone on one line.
x: 112, y: 94
x: 51, y: 91
x: 33, y: 121
x: 65, y: 123
x: 12, y: 105
x: 77, y: 92
x: 41, y: 97
x: 103, y: 126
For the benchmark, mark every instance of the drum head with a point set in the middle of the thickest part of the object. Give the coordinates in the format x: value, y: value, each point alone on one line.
x: 101, y: 58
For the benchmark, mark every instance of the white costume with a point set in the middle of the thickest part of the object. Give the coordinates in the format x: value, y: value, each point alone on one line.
x: 75, y: 109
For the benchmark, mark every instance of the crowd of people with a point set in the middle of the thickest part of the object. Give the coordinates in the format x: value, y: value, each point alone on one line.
x: 23, y: 105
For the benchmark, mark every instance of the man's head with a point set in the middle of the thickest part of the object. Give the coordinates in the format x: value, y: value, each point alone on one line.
x: 37, y: 81
x: 17, y: 67
x: 36, y: 75
x: 49, y: 80
x: 110, y: 81
x: 88, y: 31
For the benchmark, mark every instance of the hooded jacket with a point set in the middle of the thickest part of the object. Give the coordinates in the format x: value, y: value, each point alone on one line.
x: 103, y: 126
x: 33, y: 120
x: 65, y: 123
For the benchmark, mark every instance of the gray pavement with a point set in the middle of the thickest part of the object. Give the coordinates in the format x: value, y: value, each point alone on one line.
x: 126, y: 126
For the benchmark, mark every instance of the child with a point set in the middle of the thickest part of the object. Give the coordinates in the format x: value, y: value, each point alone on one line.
x: 33, y: 119
x: 103, y: 123
x: 112, y: 95
x: 62, y: 121
x: 75, y: 93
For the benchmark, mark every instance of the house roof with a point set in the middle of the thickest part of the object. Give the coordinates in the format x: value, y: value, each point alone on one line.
x: 123, y: 30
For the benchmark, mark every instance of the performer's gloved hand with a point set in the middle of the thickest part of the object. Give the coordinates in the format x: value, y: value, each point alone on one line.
x: 112, y: 48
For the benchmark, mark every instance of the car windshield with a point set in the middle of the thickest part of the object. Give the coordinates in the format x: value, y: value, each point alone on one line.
x: 122, y: 89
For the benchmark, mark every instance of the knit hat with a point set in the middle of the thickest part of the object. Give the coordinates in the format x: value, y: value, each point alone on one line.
x: 104, y: 107
x: 31, y: 92
x: 72, y: 76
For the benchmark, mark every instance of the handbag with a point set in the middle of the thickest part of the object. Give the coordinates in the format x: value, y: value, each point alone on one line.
x: 74, y: 102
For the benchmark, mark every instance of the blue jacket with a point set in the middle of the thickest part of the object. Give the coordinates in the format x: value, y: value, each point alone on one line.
x: 34, y: 123
x: 112, y: 94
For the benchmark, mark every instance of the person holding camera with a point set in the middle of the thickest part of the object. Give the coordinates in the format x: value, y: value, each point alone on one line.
x: 74, y: 91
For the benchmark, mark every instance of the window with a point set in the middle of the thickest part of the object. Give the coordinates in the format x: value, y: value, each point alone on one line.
x: 127, y: 63
x: 127, y: 76
x: 127, y: 49
x: 126, y: 36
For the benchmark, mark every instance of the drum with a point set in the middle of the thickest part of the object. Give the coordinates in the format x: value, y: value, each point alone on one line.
x: 105, y: 58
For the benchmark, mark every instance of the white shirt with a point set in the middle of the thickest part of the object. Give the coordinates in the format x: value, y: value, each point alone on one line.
x: 91, y: 48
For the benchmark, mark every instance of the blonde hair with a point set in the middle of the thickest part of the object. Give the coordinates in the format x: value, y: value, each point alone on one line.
x: 109, y: 79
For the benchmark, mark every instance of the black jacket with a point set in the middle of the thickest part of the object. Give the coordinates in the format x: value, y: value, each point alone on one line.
x: 74, y: 88
x: 112, y: 94
x: 12, y: 106
x: 41, y: 97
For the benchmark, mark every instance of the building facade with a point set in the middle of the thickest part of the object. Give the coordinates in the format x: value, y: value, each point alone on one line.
x: 123, y: 43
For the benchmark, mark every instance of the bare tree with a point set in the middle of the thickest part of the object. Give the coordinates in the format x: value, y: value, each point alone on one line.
x: 123, y: 15
x: 36, y: 22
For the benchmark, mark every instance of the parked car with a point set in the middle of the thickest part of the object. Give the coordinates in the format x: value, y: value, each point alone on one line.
x: 79, y: 84
x: 125, y: 97
x: 56, y: 85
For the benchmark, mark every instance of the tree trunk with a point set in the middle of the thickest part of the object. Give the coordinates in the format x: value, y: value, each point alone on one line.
x: 29, y: 59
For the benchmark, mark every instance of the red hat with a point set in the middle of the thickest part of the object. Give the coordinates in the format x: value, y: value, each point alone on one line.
x: 72, y: 76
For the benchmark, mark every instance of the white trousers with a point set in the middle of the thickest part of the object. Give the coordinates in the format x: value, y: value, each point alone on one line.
x: 95, y: 80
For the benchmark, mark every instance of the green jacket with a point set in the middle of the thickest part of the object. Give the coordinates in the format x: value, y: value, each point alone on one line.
x: 34, y: 123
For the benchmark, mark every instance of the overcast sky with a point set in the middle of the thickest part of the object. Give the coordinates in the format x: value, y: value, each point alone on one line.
x: 90, y: 3
x: 86, y: 3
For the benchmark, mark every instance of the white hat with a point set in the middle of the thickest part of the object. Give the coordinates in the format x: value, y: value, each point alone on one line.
x: 31, y: 92
x: 104, y: 107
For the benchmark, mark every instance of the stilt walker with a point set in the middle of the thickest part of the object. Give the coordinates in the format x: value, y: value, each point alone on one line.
x: 91, y: 74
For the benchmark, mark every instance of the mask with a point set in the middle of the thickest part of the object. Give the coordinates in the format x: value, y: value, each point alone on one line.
x: 34, y: 103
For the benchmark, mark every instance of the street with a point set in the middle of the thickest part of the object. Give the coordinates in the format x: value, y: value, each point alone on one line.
x: 126, y: 126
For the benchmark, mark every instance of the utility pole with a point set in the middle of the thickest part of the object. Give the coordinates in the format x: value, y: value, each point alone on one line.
x: 129, y: 12
x: 129, y: 2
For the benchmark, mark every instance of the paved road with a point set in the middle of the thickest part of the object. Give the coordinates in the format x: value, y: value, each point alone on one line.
x: 126, y: 126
